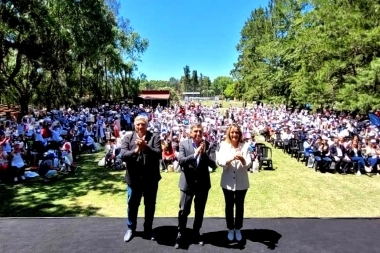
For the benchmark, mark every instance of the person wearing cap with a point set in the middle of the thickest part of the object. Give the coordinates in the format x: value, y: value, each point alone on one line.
x: 372, y: 152
x: 308, y: 146
x: 67, y: 154
x: 6, y: 142
x: 17, y: 162
x: 46, y: 169
x: 142, y: 152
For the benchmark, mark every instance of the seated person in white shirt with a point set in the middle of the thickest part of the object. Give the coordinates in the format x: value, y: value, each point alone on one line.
x: 111, y: 152
x: 17, y: 163
x: 286, y: 136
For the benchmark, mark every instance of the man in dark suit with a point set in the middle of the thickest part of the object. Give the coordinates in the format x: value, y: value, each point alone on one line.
x: 142, y: 152
x: 194, y: 182
x: 338, y: 154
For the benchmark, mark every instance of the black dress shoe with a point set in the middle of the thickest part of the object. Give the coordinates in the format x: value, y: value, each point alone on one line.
x: 198, y: 239
x: 178, y: 242
x: 149, y: 235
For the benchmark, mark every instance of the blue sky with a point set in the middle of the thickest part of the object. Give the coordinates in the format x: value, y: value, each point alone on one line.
x: 200, y: 34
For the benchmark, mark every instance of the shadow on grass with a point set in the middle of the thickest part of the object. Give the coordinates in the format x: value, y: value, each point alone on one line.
x: 36, y: 198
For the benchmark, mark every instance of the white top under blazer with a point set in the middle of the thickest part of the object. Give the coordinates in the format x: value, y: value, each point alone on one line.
x: 235, y: 174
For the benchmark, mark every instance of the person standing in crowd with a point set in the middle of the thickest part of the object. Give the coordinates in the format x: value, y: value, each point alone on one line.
x: 194, y: 182
x: 235, y: 160
x: 116, y: 127
x: 17, y: 163
x: 141, y: 151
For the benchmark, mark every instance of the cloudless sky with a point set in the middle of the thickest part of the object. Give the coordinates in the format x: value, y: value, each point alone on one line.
x: 202, y: 34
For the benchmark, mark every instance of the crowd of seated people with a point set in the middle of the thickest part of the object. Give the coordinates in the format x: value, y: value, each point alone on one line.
x: 340, y: 153
x: 71, y: 132
x: 59, y: 135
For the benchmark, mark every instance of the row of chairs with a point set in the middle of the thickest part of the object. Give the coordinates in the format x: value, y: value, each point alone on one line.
x: 296, y: 149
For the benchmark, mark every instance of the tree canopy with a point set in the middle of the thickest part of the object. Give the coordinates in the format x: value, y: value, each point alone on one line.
x: 59, y: 52
x: 322, y: 52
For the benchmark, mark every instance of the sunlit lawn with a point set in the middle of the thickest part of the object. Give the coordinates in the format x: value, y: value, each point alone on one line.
x: 291, y: 190
x: 225, y: 104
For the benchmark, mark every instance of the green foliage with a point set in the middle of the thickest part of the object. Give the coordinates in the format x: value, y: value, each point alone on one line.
x: 193, y: 83
x: 229, y: 92
x: 220, y: 84
x: 56, y: 52
x: 315, y: 51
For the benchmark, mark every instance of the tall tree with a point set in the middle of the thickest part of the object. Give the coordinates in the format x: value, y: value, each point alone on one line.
x: 194, y: 81
x: 186, y: 80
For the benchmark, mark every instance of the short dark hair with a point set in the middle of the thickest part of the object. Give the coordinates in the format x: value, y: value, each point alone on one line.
x: 196, y: 125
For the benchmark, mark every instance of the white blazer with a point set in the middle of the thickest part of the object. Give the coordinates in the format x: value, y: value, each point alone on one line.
x: 235, y: 174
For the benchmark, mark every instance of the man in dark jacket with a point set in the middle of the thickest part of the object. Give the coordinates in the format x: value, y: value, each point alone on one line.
x: 194, y: 182
x: 142, y: 152
x: 338, y: 153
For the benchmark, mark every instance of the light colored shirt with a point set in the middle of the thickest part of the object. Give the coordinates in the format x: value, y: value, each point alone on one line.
x: 339, y: 151
x: 17, y: 160
x: 235, y: 174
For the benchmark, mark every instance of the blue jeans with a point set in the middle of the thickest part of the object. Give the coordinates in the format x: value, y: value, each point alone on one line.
x: 51, y: 173
x: 372, y: 161
x: 322, y: 161
x: 360, y: 160
x: 134, y: 195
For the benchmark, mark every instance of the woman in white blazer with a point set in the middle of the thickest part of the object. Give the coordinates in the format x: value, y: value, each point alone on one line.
x: 234, y: 157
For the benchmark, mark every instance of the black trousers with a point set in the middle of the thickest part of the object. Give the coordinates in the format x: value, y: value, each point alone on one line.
x: 234, y: 198
x: 186, y: 199
x: 134, y: 194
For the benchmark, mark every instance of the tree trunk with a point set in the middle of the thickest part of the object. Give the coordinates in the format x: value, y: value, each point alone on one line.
x: 24, y: 103
x: 81, y: 81
x: 105, y: 73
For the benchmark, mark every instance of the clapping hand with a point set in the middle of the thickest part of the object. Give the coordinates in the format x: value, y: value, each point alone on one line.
x: 201, y: 148
x: 239, y: 156
x: 141, y: 144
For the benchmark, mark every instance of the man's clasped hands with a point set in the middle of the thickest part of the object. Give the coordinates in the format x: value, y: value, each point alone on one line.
x: 141, y: 144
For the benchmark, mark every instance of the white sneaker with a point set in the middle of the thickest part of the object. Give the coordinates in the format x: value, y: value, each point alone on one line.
x: 238, y: 235
x: 230, y: 235
x: 358, y: 173
x: 15, y: 179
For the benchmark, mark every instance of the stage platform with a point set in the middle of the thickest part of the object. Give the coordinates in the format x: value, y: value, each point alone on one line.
x: 102, y: 235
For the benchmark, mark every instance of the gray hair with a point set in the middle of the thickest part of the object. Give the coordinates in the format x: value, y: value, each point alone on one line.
x: 143, y: 118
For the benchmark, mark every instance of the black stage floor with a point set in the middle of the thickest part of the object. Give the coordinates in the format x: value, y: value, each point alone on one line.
x: 262, y: 235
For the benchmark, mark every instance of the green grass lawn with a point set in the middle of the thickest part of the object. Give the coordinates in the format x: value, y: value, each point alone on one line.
x: 291, y: 190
